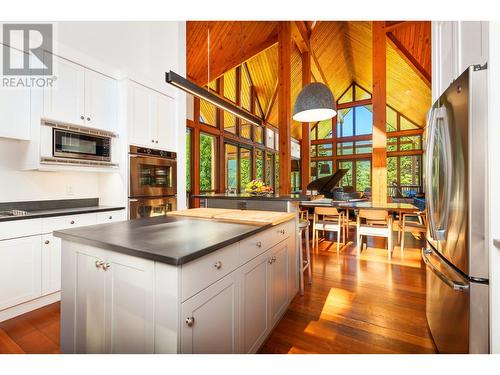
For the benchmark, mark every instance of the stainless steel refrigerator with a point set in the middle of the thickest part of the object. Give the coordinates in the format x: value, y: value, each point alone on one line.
x: 456, y: 255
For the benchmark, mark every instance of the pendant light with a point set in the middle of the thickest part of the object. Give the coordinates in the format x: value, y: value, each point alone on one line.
x: 315, y: 102
x: 220, y: 102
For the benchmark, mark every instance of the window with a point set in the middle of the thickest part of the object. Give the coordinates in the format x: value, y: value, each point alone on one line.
x: 324, y: 129
x: 391, y: 119
x: 363, y: 147
x: 230, y: 122
x: 231, y: 158
x: 188, y: 159
x: 363, y: 175
x: 246, y: 90
x: 345, y: 122
x: 259, y: 164
x: 392, y: 144
x: 230, y: 85
x: 269, y: 169
x: 208, y: 113
x: 270, y: 138
x: 314, y: 151
x: 324, y: 168
x: 245, y: 130
x: 245, y: 167
x: 410, y: 143
x: 405, y: 173
x: 207, y: 163
x: 258, y: 134
x: 346, y: 97
x: 347, y: 179
x: 325, y: 149
x: 363, y: 120
x: 345, y: 148
x: 406, y: 124
x: 361, y: 94
x: 409, y: 167
x: 276, y: 172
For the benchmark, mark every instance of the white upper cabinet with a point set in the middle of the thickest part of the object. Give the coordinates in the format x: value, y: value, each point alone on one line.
x: 165, y: 124
x: 65, y: 102
x: 15, y: 107
x: 151, y: 118
x: 100, y: 101
x: 81, y: 96
x: 456, y: 46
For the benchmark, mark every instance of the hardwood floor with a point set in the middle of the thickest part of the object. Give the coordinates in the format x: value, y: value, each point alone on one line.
x: 357, y: 304
x: 354, y: 305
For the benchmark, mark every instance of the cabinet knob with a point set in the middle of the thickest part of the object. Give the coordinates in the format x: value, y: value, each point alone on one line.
x: 82, y: 117
x: 282, y: 231
x: 152, y: 141
x: 259, y: 244
x: 88, y: 118
x: 72, y: 222
x: 99, y: 263
x: 110, y: 218
x: 190, y: 321
x: 218, y: 265
x: 156, y: 141
x: 270, y: 261
x: 105, y: 266
x: 46, y: 242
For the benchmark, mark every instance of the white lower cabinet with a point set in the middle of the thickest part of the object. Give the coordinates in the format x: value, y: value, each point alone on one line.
x: 210, y: 319
x: 254, y: 303
x: 114, y: 304
x: 51, y: 264
x: 20, y: 270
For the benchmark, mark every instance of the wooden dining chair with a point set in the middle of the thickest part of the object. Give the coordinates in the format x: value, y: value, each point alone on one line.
x: 407, y: 225
x: 328, y: 219
x: 376, y: 223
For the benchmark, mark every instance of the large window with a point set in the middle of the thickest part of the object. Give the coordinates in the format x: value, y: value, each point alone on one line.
x: 404, y: 175
x: 259, y: 164
x: 231, y: 158
x: 208, y: 158
x: 188, y: 159
x: 350, y: 146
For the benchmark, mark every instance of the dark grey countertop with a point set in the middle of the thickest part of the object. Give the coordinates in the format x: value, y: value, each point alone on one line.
x: 243, y: 196
x: 50, y: 208
x: 166, y: 239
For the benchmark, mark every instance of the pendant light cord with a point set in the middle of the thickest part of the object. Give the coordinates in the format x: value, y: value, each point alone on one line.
x: 208, y: 58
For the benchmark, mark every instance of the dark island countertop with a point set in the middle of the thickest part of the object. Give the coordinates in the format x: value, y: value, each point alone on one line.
x: 244, y: 196
x: 39, y: 209
x: 166, y: 239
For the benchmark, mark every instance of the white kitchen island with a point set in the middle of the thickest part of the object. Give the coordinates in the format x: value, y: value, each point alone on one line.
x: 217, y: 283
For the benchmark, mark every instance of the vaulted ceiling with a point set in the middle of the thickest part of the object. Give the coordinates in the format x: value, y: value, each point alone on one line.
x: 342, y: 54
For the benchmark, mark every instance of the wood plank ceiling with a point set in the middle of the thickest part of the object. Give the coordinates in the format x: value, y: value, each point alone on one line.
x: 342, y: 48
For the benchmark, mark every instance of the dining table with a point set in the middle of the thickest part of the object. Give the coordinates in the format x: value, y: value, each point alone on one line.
x: 362, y: 204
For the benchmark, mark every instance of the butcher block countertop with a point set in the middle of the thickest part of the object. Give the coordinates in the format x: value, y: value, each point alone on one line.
x: 236, y: 216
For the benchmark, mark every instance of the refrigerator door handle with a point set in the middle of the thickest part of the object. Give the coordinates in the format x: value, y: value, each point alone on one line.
x: 439, y: 125
x: 455, y: 285
x: 430, y: 156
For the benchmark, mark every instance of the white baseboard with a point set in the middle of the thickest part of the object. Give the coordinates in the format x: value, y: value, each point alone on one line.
x: 25, y: 307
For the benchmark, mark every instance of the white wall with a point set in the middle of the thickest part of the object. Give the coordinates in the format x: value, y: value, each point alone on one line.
x: 494, y: 180
x: 142, y: 51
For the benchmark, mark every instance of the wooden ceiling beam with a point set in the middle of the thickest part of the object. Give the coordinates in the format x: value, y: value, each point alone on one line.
x: 300, y: 35
x: 271, y: 102
x: 409, y: 59
x: 237, y: 58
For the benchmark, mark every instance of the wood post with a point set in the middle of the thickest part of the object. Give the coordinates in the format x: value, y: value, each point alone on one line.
x: 305, y: 144
x: 195, y: 156
x: 285, y: 110
x: 379, y: 156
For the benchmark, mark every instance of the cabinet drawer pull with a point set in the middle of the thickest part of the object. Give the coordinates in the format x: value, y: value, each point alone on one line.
x: 99, y: 263
x: 259, y: 244
x: 105, y: 266
x: 72, y: 222
x: 46, y: 242
x: 218, y: 265
x: 190, y: 321
x: 282, y: 231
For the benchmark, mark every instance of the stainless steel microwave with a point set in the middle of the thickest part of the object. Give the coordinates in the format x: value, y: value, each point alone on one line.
x: 63, y: 143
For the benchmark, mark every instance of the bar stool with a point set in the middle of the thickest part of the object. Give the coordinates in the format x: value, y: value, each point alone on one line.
x: 304, y: 227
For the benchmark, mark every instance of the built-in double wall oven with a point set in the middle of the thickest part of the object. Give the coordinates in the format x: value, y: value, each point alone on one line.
x: 153, y: 181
